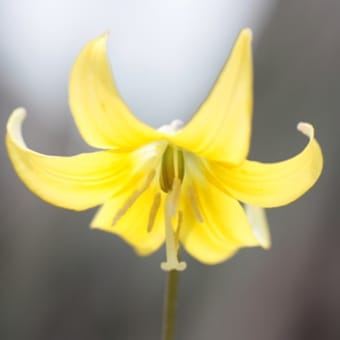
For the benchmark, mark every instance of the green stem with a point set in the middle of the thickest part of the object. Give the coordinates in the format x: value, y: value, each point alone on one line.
x: 170, y: 306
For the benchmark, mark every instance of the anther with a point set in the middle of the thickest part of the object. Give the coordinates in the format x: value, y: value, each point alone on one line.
x: 172, y: 167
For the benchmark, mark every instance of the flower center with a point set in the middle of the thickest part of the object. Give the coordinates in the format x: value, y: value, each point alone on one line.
x: 171, y: 177
x: 172, y: 167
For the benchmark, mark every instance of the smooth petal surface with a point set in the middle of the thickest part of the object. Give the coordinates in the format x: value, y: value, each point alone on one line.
x: 271, y: 184
x: 133, y: 225
x: 77, y: 182
x: 101, y: 115
x: 221, y: 128
x: 224, y: 229
x: 201, y: 244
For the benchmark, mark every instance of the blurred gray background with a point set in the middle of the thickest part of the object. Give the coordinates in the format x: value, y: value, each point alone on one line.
x: 61, y: 280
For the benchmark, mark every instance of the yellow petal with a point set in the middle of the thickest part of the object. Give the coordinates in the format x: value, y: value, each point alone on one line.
x: 101, y: 115
x: 201, y: 244
x: 258, y: 220
x: 271, y: 184
x: 223, y: 229
x: 221, y: 128
x: 77, y: 182
x: 132, y: 226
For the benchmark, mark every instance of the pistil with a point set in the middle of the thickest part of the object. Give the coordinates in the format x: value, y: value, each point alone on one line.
x: 171, y: 176
x: 171, y: 245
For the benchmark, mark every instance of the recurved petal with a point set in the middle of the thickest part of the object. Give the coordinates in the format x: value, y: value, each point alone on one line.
x: 271, y: 184
x: 78, y: 182
x: 220, y: 130
x: 132, y: 222
x: 101, y: 115
x: 258, y: 221
x: 224, y: 227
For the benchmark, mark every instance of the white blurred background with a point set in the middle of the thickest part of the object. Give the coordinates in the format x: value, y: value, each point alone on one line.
x: 61, y: 280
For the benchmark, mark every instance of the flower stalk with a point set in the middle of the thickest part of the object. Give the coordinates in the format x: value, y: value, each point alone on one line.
x: 170, y: 304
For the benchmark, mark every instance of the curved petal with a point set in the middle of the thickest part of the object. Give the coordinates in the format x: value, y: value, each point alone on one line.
x: 132, y: 226
x: 78, y: 182
x: 200, y: 244
x: 273, y: 184
x: 101, y: 115
x: 223, y: 229
x: 258, y: 220
x: 221, y: 128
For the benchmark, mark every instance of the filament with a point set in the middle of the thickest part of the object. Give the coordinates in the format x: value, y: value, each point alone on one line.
x: 133, y: 198
x: 153, y: 211
x: 178, y: 229
x: 194, y: 204
x: 175, y: 194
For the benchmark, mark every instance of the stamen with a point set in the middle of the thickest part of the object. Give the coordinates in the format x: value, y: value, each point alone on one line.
x: 172, y: 262
x: 133, y: 198
x: 178, y: 229
x: 172, y: 167
x: 176, y: 190
x: 194, y: 204
x: 176, y: 162
x: 153, y: 211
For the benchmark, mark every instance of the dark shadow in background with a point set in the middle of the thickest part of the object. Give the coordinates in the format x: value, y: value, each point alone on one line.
x: 298, y: 73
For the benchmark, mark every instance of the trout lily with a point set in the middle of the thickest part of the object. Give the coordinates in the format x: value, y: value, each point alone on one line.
x: 180, y: 184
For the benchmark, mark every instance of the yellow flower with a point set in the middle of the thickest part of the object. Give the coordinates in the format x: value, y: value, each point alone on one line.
x: 178, y: 184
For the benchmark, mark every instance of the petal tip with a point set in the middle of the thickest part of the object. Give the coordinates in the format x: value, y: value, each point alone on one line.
x: 259, y: 223
x: 105, y: 36
x: 14, y: 125
x: 93, y: 226
x: 306, y: 128
x: 247, y: 33
x: 101, y: 41
x: 18, y: 115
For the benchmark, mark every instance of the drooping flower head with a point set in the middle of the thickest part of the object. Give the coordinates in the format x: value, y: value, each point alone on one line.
x: 181, y: 184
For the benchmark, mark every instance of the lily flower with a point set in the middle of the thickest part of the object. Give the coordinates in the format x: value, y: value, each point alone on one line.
x: 179, y: 185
